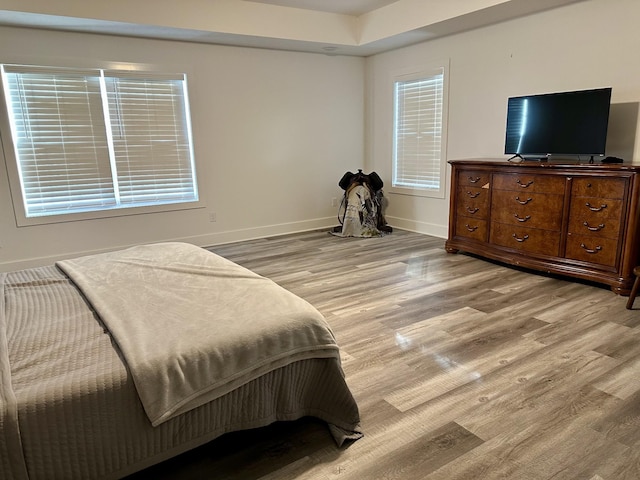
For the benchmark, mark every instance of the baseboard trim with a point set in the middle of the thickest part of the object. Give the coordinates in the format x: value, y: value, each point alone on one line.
x: 206, y: 240
x: 440, y: 231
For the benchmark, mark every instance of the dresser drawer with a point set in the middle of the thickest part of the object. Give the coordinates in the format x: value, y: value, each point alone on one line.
x: 601, y: 251
x: 599, y: 187
x: 529, y: 183
x: 473, y: 202
x: 595, y: 216
x: 530, y: 240
x: 473, y: 179
x: 536, y: 210
x: 473, y: 228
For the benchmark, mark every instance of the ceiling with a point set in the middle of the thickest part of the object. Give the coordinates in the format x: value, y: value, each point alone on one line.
x: 345, y: 7
x: 334, y: 27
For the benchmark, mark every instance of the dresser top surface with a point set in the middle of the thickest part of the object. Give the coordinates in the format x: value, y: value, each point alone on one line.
x: 548, y: 165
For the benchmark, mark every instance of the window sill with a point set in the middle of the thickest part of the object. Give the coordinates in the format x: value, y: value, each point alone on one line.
x: 23, y: 221
x: 416, y: 192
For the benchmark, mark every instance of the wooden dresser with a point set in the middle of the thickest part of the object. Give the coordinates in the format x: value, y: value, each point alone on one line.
x: 579, y: 220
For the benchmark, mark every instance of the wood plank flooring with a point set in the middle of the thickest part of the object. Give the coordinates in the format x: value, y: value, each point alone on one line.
x: 462, y: 369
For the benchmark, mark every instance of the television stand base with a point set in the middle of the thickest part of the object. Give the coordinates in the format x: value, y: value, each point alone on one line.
x: 517, y: 158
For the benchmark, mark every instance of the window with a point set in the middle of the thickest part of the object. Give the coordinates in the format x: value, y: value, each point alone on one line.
x: 98, y: 140
x: 419, y: 135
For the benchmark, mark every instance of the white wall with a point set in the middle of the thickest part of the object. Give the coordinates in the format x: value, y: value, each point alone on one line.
x: 589, y: 44
x: 273, y: 133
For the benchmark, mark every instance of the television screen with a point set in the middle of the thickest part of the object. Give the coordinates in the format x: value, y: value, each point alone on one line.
x: 566, y: 123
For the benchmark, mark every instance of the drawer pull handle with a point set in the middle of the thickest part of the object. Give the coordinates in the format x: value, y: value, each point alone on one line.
x: 526, y: 237
x: 520, y: 219
x: 473, y: 195
x: 524, y: 185
x: 523, y: 202
x: 595, y: 209
x: 472, y: 210
x: 595, y: 250
x: 593, y: 229
x: 474, y: 180
x: 471, y: 229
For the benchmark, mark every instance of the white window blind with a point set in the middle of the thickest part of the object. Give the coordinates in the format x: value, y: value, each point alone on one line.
x: 60, y: 139
x: 99, y: 140
x: 418, y: 132
x: 150, y: 135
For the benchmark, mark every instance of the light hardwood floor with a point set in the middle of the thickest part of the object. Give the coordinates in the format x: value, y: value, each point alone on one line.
x: 462, y: 369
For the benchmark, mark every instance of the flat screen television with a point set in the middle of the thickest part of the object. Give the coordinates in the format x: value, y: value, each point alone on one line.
x: 565, y: 123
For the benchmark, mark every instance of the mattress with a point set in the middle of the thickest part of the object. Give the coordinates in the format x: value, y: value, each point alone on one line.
x: 69, y: 407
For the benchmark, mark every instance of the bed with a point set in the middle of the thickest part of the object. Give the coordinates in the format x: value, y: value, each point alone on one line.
x: 111, y: 363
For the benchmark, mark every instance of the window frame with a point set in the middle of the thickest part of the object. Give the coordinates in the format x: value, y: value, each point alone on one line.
x: 423, y: 71
x: 13, y: 168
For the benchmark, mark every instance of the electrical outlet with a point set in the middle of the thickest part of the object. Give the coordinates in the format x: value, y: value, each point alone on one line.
x: 334, y: 202
x: 212, y: 217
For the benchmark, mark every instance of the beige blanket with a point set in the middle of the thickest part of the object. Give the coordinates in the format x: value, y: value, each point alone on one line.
x: 193, y: 326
